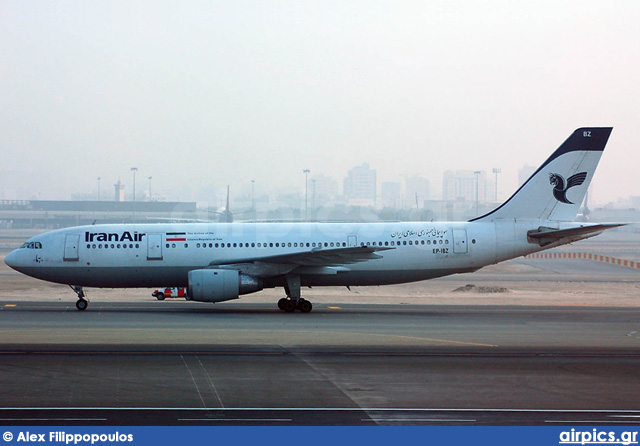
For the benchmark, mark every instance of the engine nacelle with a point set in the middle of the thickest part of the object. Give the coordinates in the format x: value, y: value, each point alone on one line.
x: 218, y: 285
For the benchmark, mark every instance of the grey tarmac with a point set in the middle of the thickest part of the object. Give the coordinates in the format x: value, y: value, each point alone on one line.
x: 152, y: 363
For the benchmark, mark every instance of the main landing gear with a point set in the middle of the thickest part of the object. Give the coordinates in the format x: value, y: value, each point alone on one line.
x: 289, y: 306
x: 82, y: 303
x: 293, y: 301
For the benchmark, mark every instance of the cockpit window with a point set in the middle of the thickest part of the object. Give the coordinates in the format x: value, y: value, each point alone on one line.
x: 32, y: 245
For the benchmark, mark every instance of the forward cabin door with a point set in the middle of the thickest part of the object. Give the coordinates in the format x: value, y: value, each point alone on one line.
x: 352, y: 241
x: 154, y: 246
x: 460, y: 241
x: 71, y: 247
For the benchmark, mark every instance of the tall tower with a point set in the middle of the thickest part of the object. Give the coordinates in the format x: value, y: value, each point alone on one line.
x: 119, y: 191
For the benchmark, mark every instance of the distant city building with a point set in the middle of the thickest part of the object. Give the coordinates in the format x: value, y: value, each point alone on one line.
x: 417, y: 189
x: 360, y: 186
x: 461, y: 186
x: 390, y: 194
x: 525, y: 173
x: 322, y: 189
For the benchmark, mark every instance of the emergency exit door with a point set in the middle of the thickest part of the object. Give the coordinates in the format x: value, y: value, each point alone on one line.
x: 154, y: 246
x: 460, y: 241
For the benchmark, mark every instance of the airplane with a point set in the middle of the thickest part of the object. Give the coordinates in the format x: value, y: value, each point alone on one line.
x: 221, y: 261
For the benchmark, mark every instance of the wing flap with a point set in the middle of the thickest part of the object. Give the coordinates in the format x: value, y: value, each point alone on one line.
x: 313, y: 260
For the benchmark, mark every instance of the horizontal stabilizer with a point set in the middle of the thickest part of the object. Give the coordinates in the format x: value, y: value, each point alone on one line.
x: 544, y: 236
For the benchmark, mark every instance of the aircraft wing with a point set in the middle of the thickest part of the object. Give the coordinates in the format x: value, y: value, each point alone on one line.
x: 317, y: 261
x: 546, y: 236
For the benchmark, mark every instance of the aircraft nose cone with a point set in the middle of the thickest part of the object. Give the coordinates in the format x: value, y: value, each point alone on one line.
x: 12, y: 259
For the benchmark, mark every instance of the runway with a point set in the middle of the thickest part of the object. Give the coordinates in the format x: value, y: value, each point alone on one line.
x: 177, y: 362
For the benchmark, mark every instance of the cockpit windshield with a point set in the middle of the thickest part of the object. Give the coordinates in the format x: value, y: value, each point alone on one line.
x: 32, y: 245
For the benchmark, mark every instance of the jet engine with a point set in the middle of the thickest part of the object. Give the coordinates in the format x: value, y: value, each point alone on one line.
x: 218, y: 285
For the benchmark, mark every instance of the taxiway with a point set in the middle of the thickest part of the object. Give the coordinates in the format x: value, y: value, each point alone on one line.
x: 189, y: 363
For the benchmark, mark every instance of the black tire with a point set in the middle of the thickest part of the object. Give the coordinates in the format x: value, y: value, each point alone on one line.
x: 82, y: 304
x: 160, y: 296
x: 289, y: 306
x: 305, y: 306
x: 282, y: 302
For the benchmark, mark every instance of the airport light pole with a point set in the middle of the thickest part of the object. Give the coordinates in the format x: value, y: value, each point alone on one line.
x: 98, y: 188
x: 306, y: 194
x: 150, y: 189
x: 497, y: 170
x: 477, y: 174
x: 134, y: 170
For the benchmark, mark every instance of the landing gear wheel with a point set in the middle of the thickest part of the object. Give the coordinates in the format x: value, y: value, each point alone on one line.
x: 305, y: 306
x: 289, y: 306
x: 282, y: 302
x: 82, y: 303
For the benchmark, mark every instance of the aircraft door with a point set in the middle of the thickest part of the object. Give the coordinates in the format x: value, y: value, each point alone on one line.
x: 352, y: 241
x: 71, y: 247
x: 154, y: 246
x: 460, y: 241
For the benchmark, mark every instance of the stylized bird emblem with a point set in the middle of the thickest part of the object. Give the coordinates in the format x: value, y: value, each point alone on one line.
x: 559, y: 189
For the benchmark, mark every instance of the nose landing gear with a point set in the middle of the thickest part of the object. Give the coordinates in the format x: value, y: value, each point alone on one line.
x: 82, y: 303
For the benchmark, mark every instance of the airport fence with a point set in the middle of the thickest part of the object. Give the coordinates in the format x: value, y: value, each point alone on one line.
x: 585, y: 256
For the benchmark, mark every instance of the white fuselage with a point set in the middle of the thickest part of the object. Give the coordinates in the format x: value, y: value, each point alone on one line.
x: 153, y: 255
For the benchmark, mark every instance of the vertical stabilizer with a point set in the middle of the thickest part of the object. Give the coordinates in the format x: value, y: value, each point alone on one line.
x: 556, y: 190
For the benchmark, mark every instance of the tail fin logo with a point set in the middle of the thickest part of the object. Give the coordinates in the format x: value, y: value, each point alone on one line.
x: 559, y: 189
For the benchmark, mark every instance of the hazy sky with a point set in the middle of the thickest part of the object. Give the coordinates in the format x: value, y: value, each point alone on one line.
x: 203, y: 94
